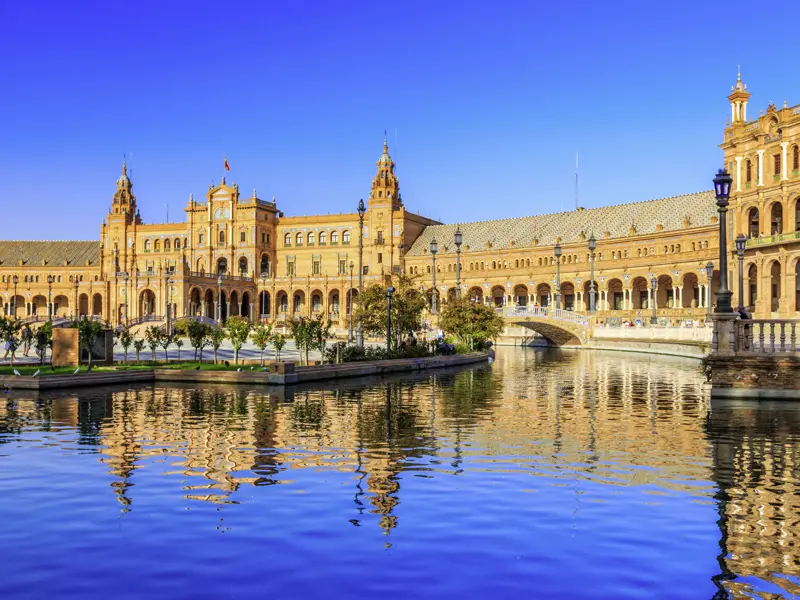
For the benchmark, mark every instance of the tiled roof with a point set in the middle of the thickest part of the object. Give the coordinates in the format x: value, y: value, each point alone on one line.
x: 54, y: 253
x: 670, y: 213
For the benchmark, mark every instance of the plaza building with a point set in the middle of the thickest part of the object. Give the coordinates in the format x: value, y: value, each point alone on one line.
x: 237, y: 255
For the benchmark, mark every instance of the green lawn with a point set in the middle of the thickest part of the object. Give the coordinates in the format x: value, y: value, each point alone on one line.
x: 28, y: 370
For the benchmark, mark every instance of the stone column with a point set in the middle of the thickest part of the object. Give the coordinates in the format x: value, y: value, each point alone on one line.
x: 784, y: 161
x: 760, y: 173
x: 253, y: 316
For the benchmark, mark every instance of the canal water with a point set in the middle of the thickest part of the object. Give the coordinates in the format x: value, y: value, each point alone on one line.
x: 549, y: 474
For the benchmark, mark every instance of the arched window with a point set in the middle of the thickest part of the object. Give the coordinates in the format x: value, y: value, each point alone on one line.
x: 243, y: 266
x: 666, y: 249
x: 222, y: 236
x: 157, y: 246
x: 483, y: 267
x: 323, y: 237
x: 796, y: 160
x: 748, y: 171
x: 311, y: 238
x: 287, y: 239
x: 429, y: 268
x: 614, y: 255
x: 694, y: 246
x: 147, y: 246
x: 177, y: 244
x: 346, y: 236
x: 334, y: 237
x: 529, y: 262
x: 298, y: 239
x: 167, y: 245
x: 677, y: 248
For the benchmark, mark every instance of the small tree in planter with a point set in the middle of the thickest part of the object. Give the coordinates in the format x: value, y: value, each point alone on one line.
x: 198, y: 337
x: 215, y: 337
x: 179, y: 344
x: 278, y: 342
x: 303, y: 334
x: 88, y: 333
x: 238, y: 331
x: 262, y: 337
x: 321, y: 332
x: 138, y: 346
x: 44, y: 340
x: 165, y: 340
x: 125, y: 340
x: 153, y: 335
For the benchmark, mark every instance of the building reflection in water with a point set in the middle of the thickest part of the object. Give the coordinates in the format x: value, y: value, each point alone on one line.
x: 756, y: 451
x: 582, y: 418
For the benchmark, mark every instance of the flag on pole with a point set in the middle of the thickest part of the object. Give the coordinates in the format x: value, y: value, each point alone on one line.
x: 227, y: 168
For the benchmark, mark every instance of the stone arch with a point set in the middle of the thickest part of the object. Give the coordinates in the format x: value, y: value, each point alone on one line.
x: 776, y: 218
x: 316, y: 301
x: 498, y: 295
x: 222, y: 266
x: 665, y: 294
x: 753, y: 222
x: 264, y: 266
x: 690, y: 291
x: 640, y: 298
x: 61, y: 307
x: 751, y: 286
x: 451, y: 294
x: 774, y: 271
x: 298, y: 301
x: 194, y: 302
x: 209, y: 304
x: 39, y: 306
x: 83, y: 305
x: 475, y: 294
x: 147, y: 302
x: 521, y: 294
x: 615, y: 297
x: 201, y: 266
x: 544, y: 294
x: 97, y: 305
x: 264, y: 304
x: 233, y: 301
x: 334, y: 301
x: 569, y: 299
x: 282, y: 302
x: 245, y: 309
x: 243, y: 266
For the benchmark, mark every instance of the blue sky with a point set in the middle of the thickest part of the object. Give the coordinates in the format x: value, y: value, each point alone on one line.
x: 485, y: 103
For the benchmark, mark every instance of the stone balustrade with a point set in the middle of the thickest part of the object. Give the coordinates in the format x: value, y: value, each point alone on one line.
x: 771, y: 337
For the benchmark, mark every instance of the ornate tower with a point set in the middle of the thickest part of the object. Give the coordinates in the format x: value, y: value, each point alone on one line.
x: 738, y: 98
x: 385, y: 187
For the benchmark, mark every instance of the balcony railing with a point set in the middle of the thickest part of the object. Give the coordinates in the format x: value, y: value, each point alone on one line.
x: 225, y: 276
x: 773, y: 239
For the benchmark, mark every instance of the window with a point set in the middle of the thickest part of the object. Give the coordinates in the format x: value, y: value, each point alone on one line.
x: 380, y: 260
x: 287, y: 239
x: 177, y: 244
x: 796, y: 158
x: 380, y: 237
x: 147, y: 246
x: 298, y: 239
x: 167, y: 246
x: 290, y: 268
x: 311, y: 239
x: 201, y: 239
x: 346, y: 237
x: 323, y: 237
x: 777, y: 162
x: 342, y: 266
x: 222, y: 238
x: 242, y: 236
x: 315, y: 267
x: 366, y: 270
x: 748, y: 171
x: 157, y: 246
x: 334, y: 238
x: 263, y: 238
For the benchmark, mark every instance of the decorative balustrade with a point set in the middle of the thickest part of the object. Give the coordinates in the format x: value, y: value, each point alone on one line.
x: 773, y: 239
x: 766, y: 337
x: 546, y: 312
x: 224, y: 276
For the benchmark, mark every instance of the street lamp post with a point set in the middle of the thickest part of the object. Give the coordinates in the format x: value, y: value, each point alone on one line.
x: 654, y: 291
x: 361, y: 210
x: 261, y: 304
x: 389, y: 292
x: 15, y: 279
x: 434, y: 249
x: 49, y: 297
x: 458, y: 239
x: 592, y: 248
x: 350, y: 296
x: 741, y: 243
x: 77, y: 313
x: 709, y: 275
x: 722, y: 188
x: 219, y: 300
x: 166, y: 298
x: 557, y: 251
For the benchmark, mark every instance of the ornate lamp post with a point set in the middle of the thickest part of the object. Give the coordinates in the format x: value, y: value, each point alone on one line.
x: 709, y: 275
x: 434, y: 249
x: 361, y: 210
x: 350, y: 296
x: 15, y: 280
x: 125, y: 279
x: 261, y: 305
x: 654, y: 291
x: 77, y: 303
x: 592, y: 248
x: 49, y: 297
x: 219, y: 299
x: 722, y: 188
x: 557, y: 251
x: 458, y: 239
x: 741, y: 243
x: 166, y: 298
x: 389, y: 292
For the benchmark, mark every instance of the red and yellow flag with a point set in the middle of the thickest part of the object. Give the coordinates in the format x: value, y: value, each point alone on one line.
x: 227, y: 168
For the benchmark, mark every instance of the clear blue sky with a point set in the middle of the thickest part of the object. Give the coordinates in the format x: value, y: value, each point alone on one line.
x: 486, y: 103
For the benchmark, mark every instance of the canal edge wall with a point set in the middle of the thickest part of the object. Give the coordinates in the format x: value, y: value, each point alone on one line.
x: 745, y: 377
x: 300, y: 375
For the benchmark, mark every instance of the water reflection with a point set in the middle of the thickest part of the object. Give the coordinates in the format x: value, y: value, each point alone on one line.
x: 622, y: 451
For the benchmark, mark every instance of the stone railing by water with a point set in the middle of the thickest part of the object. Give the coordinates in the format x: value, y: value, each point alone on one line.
x: 545, y: 312
x: 766, y: 337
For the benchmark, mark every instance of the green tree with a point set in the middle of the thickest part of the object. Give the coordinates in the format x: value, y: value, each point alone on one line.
x: 179, y: 344
x: 138, y: 346
x: 198, y: 337
x: 470, y: 322
x: 238, y: 331
x: 278, y: 342
x: 407, y: 307
x: 44, y: 340
x: 166, y: 339
x: 88, y: 333
x: 303, y: 332
x: 262, y: 337
x: 153, y: 335
x: 125, y: 340
x: 321, y: 333
x: 9, y: 327
x: 215, y: 336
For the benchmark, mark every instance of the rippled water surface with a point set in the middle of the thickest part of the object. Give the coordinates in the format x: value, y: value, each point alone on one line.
x: 547, y: 475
